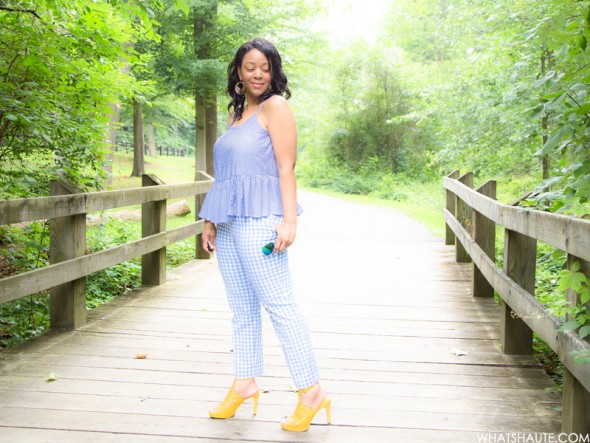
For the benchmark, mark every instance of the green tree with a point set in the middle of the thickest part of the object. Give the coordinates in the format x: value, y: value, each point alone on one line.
x: 375, y: 119
x: 564, y: 30
x: 62, y: 66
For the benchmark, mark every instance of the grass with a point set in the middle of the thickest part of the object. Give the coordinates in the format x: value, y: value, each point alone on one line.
x: 170, y: 170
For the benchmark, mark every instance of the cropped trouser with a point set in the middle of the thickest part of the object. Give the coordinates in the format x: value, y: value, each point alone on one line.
x: 252, y: 280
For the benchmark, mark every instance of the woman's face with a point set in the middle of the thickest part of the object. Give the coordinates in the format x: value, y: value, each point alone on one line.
x: 255, y: 73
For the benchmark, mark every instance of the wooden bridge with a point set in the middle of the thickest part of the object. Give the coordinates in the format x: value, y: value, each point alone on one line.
x: 406, y: 350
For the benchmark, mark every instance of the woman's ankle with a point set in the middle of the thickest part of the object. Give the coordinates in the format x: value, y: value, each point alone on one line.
x: 314, y: 396
x: 245, y: 387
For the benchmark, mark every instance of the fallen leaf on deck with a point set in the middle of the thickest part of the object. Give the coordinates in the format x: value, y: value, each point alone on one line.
x: 457, y: 352
x: 52, y: 376
x: 140, y: 356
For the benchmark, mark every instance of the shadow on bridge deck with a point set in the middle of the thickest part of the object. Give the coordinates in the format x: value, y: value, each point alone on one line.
x: 405, y: 351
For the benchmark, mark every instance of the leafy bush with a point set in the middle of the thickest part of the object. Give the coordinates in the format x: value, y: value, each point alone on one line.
x: 109, y: 283
x: 180, y: 252
x: 348, y: 182
x: 318, y: 172
x: 23, y: 249
x: 387, y: 188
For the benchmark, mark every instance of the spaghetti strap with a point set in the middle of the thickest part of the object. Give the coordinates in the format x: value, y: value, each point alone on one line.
x: 232, y: 122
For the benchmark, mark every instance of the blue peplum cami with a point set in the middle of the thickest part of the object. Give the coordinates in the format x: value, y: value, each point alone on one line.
x: 246, y: 175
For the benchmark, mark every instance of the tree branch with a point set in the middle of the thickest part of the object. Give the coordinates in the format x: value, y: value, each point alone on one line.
x: 28, y: 11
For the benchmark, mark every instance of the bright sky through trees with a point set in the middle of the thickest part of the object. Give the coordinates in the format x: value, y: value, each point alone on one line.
x: 346, y: 20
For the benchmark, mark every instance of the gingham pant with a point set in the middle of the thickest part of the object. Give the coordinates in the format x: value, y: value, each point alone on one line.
x: 253, y: 279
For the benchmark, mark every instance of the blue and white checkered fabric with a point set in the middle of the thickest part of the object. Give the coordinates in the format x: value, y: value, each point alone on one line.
x: 252, y: 280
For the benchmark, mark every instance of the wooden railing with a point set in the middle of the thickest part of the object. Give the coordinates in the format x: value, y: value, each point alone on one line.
x: 471, y: 217
x: 162, y: 150
x: 66, y: 210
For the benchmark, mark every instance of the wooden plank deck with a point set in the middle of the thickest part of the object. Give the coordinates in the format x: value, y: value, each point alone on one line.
x: 404, y: 350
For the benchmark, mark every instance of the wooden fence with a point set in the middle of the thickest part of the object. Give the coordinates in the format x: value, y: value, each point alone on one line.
x: 66, y: 209
x: 163, y: 150
x: 471, y: 218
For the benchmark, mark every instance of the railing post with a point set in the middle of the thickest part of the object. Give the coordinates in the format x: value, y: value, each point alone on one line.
x: 153, y: 221
x: 67, y: 240
x: 575, y: 415
x: 520, y: 258
x: 199, y: 251
x: 463, y: 215
x: 484, y: 234
x: 449, y: 234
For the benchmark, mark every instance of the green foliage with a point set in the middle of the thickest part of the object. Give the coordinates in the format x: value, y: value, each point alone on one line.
x: 550, y: 263
x: 368, y: 180
x: 180, y: 252
x: 562, y: 32
x: 373, y: 120
x: 572, y: 279
x: 22, y: 250
x: 62, y: 66
x: 109, y: 283
x: 23, y: 319
x: 430, y: 30
x: 27, y: 248
x: 116, y: 280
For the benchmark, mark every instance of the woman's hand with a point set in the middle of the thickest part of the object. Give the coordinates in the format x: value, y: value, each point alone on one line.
x: 208, y: 236
x: 285, y: 235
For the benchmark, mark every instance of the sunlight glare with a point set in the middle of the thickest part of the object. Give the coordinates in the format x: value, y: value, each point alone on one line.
x: 347, y: 20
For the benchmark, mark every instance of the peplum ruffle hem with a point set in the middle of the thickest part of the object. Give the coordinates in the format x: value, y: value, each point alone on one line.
x: 243, y: 196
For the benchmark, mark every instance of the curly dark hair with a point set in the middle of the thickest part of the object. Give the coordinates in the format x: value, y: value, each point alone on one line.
x: 278, y: 82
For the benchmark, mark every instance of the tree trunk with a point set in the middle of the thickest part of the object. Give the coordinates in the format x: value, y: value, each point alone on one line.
x: 546, y: 162
x: 205, y: 109
x: 205, y: 95
x: 138, y: 159
x: 547, y: 62
x: 200, y: 136
x: 151, y: 140
x: 113, y: 128
x: 210, y: 129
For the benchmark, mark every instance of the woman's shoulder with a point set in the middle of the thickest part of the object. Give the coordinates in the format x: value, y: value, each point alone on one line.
x: 276, y: 107
x: 276, y: 102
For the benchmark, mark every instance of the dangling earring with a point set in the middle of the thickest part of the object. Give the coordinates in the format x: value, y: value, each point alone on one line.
x: 239, y: 88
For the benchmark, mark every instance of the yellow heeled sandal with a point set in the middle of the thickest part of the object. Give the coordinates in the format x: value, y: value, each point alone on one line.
x: 303, y: 415
x: 228, y: 407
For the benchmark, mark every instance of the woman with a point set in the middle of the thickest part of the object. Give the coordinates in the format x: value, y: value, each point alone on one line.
x: 253, y: 203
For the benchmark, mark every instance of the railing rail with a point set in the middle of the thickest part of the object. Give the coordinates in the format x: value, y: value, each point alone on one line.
x: 70, y: 264
x: 43, y: 208
x: 470, y: 212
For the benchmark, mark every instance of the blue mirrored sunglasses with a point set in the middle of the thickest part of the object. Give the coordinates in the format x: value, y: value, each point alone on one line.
x: 268, y: 248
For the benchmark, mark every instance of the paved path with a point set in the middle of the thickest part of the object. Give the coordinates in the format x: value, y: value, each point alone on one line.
x: 405, y: 351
